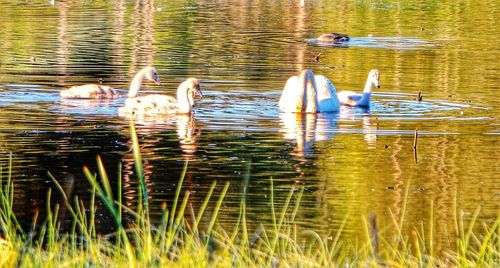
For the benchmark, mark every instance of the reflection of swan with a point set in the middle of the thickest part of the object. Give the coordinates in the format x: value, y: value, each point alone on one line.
x: 188, y: 134
x: 97, y: 91
x: 92, y: 107
x: 309, y: 93
x: 305, y: 129
x: 334, y: 38
x: 188, y: 131
x: 369, y: 128
x: 154, y: 135
x: 352, y: 98
x: 163, y: 104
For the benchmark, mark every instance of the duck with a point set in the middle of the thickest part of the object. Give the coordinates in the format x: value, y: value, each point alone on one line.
x: 99, y: 91
x: 309, y: 93
x: 334, y: 38
x: 351, y: 98
x: 157, y: 104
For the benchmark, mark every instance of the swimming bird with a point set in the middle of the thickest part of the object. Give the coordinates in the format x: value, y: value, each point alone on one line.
x: 99, y: 91
x: 334, y: 38
x: 351, y: 98
x: 156, y: 104
x: 309, y: 93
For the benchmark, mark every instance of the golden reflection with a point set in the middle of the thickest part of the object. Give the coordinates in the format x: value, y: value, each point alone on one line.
x: 299, y: 28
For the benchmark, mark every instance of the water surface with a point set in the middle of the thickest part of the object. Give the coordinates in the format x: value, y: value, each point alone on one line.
x: 349, y: 163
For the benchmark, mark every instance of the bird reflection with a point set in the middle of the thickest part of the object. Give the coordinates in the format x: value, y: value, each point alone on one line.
x: 188, y: 133
x: 369, y: 126
x: 86, y: 103
x: 305, y: 129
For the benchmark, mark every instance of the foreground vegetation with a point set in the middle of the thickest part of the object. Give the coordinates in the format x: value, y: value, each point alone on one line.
x: 182, y: 239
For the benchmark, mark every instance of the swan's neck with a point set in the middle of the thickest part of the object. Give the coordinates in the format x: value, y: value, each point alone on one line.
x: 309, y: 99
x: 184, y: 100
x: 135, y: 86
x: 368, y: 85
x: 367, y: 92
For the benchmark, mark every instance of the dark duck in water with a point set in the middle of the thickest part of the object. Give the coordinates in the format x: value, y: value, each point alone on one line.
x: 334, y: 38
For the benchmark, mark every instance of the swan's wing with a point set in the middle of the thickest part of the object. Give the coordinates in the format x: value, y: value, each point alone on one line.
x: 89, y: 91
x: 327, y: 94
x: 349, y: 97
x: 164, y: 104
x: 291, y: 101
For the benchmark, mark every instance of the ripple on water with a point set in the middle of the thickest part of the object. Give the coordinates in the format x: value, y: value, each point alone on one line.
x: 239, y: 110
x: 396, y: 43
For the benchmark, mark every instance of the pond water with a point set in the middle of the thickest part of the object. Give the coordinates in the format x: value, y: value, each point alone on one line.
x: 349, y: 163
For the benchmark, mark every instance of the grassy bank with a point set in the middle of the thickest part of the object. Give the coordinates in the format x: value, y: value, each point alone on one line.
x: 181, y: 238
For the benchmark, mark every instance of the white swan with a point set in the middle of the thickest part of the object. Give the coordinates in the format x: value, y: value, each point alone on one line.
x: 97, y: 91
x: 309, y: 93
x: 162, y: 104
x: 351, y: 98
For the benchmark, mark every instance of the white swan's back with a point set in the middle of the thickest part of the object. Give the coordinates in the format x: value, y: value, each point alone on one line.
x: 150, y: 104
x: 291, y: 99
x: 327, y: 95
x: 351, y: 98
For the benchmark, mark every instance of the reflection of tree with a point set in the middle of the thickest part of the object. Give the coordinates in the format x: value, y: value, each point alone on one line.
x: 300, y: 47
x: 117, y: 32
x: 143, y: 35
x: 63, y: 48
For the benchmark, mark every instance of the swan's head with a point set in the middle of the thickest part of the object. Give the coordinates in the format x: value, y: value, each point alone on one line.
x: 374, y: 76
x: 152, y: 75
x: 193, y: 87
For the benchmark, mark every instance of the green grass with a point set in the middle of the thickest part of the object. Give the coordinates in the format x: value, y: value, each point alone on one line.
x: 182, y: 239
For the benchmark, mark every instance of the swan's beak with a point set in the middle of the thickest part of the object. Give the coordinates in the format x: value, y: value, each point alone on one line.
x: 197, y: 91
x: 157, y: 81
x: 377, y: 84
x: 198, y: 94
